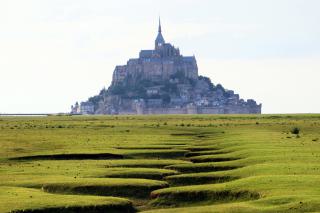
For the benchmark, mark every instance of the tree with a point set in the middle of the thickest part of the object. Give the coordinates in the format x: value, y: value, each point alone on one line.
x: 208, y: 81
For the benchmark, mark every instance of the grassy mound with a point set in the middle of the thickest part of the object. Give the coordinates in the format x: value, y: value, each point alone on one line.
x: 80, y: 156
x: 93, y: 186
x: 265, y: 205
x: 144, y: 173
x: 149, y: 163
x: 197, y: 179
x: 17, y: 199
x: 204, y: 167
x: 156, y: 153
x: 200, y: 197
x: 209, y: 152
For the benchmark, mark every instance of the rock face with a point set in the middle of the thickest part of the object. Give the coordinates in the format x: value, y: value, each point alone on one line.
x: 162, y: 81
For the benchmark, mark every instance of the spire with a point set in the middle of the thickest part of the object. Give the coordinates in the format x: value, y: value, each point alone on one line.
x: 159, y: 25
x: 159, y: 40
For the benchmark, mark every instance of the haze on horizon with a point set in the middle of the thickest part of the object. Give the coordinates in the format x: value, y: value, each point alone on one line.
x: 54, y: 53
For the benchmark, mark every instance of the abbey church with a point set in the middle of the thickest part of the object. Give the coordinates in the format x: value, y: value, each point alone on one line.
x: 158, y: 64
x: 162, y: 81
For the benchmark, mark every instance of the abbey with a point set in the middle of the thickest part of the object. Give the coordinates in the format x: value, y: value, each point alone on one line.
x: 163, y: 81
x: 158, y: 64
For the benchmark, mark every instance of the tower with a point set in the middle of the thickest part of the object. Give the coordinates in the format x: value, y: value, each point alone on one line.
x: 159, y: 40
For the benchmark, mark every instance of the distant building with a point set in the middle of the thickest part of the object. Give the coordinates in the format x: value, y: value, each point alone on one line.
x: 75, y: 109
x: 163, y: 81
x: 86, y: 108
x: 151, y: 91
x: 158, y: 64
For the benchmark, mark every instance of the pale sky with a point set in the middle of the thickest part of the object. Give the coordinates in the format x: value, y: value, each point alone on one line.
x: 56, y: 52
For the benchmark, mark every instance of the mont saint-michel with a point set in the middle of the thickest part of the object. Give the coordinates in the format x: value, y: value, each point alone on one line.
x: 163, y: 81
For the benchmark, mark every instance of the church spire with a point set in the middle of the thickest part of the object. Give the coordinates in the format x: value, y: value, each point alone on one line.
x: 159, y: 25
x: 159, y: 40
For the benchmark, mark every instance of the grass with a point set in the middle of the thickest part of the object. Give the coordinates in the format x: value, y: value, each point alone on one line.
x: 185, y: 163
x: 97, y: 186
x: 26, y: 199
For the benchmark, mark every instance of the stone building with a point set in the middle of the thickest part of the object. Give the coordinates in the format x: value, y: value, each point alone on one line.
x: 163, y: 81
x: 75, y: 109
x: 87, y: 108
x: 158, y: 64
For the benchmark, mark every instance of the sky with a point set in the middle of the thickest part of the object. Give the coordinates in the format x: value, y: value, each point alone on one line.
x: 54, y: 53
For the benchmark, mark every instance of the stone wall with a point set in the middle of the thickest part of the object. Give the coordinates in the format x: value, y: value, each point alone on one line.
x: 119, y: 74
x: 195, y: 110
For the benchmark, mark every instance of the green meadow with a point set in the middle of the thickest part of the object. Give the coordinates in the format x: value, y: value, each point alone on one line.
x: 177, y: 163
